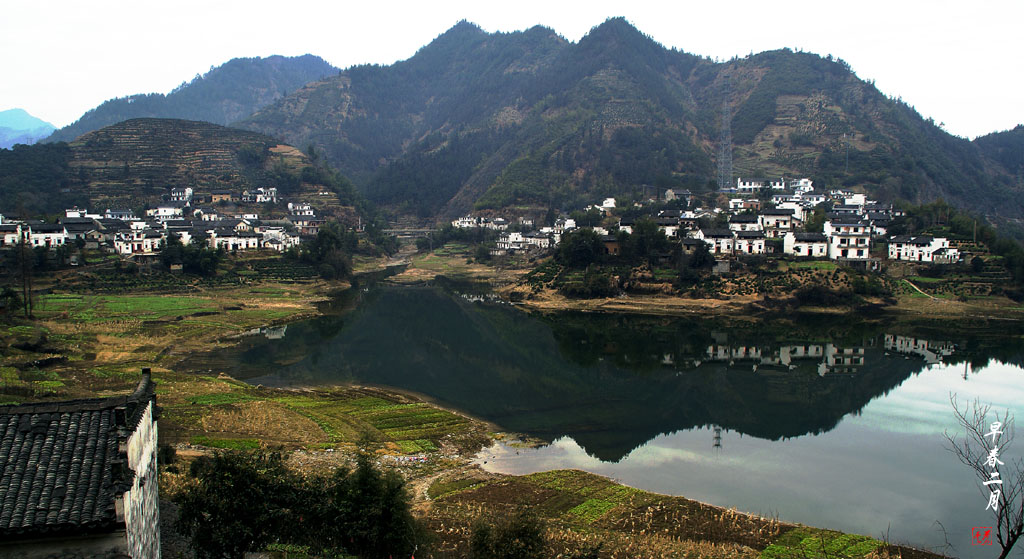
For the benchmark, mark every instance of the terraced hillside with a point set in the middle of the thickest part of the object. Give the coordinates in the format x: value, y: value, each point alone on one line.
x: 135, y: 163
x: 139, y: 160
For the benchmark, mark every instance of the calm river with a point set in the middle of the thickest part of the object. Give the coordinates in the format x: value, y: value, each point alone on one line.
x: 820, y: 420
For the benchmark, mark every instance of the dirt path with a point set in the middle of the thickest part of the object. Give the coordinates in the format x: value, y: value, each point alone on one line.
x: 911, y: 284
x: 420, y: 495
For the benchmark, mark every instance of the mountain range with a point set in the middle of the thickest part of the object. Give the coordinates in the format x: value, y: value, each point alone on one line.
x: 478, y: 120
x: 19, y: 127
x: 529, y: 120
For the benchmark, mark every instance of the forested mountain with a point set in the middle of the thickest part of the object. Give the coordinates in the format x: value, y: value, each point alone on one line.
x: 493, y: 120
x: 225, y: 94
x: 135, y: 163
x: 19, y: 127
x: 1007, y: 148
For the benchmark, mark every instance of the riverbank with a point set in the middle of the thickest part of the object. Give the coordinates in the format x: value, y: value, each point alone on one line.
x: 737, y: 297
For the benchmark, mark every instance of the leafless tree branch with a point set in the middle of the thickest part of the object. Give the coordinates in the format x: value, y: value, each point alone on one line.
x: 972, y: 449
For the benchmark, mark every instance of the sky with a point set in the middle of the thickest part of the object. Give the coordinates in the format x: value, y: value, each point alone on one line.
x: 957, y: 62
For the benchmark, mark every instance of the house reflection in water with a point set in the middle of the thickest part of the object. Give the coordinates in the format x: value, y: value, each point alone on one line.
x: 271, y: 332
x: 931, y: 352
x: 830, y: 358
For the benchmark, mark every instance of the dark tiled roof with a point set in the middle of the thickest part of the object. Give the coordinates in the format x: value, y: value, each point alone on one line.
x: 743, y: 218
x: 60, y: 466
x: 47, y: 228
x: 750, y: 234
x: 848, y: 220
x: 721, y: 233
x: 810, y: 237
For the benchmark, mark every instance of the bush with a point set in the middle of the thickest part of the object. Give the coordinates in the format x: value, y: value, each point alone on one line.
x: 245, y: 501
x: 520, y: 536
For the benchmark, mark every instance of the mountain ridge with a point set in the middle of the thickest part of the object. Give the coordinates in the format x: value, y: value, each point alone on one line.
x: 530, y: 119
x: 226, y: 93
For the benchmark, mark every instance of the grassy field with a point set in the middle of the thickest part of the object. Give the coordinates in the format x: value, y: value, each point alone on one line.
x: 85, y: 345
x: 221, y: 412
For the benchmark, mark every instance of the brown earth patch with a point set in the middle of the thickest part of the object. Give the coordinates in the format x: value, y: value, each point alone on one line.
x: 267, y: 420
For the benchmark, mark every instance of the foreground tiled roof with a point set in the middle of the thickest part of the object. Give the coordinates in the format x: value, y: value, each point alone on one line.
x: 60, y: 464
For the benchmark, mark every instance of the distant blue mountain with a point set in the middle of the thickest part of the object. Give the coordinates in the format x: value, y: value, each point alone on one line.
x: 19, y: 127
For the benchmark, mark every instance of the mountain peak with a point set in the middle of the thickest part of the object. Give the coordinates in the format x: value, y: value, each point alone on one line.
x: 19, y: 119
x: 615, y: 27
x: 463, y: 27
x: 19, y: 127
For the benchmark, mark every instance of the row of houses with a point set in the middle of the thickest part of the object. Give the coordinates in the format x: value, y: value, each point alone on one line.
x: 852, y: 225
x: 259, y: 195
x: 140, y: 237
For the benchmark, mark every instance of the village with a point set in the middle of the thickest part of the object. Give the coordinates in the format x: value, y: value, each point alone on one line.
x: 191, y: 218
x: 761, y: 217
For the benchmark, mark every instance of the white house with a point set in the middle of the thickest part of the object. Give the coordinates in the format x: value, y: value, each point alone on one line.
x: 122, y: 214
x: 47, y: 235
x: 669, y: 226
x: 777, y: 222
x: 563, y: 225
x: 813, y: 245
x: 802, y: 185
x: 232, y: 240
x: 538, y: 239
x: 467, y: 222
x: 922, y: 249
x: 511, y: 241
x: 749, y: 242
x: 812, y: 198
x: 740, y: 204
x: 10, y: 234
x: 261, y: 195
x: 849, y: 238
x: 720, y: 241
x: 755, y: 185
x: 76, y: 212
x: 744, y: 222
x: 300, y: 208
x: 859, y: 200
x: 800, y: 210
x: 165, y: 212
x: 138, y: 241
x: 181, y: 194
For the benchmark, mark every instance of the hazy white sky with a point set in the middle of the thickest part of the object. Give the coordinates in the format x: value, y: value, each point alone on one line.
x: 957, y: 62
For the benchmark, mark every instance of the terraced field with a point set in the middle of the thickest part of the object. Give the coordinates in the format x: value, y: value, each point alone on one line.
x: 583, y: 511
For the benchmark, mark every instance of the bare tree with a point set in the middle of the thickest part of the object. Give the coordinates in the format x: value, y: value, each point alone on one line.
x: 982, y: 447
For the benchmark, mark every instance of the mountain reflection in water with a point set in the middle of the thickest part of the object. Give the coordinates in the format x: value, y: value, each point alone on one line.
x: 610, y: 382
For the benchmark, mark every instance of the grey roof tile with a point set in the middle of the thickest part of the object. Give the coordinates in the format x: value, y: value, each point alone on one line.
x: 60, y: 464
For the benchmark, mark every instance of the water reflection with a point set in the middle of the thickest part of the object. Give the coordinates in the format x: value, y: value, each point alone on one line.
x: 269, y: 332
x: 610, y: 382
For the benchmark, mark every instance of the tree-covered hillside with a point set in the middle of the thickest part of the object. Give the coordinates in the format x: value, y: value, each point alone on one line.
x: 494, y: 120
x: 223, y: 95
